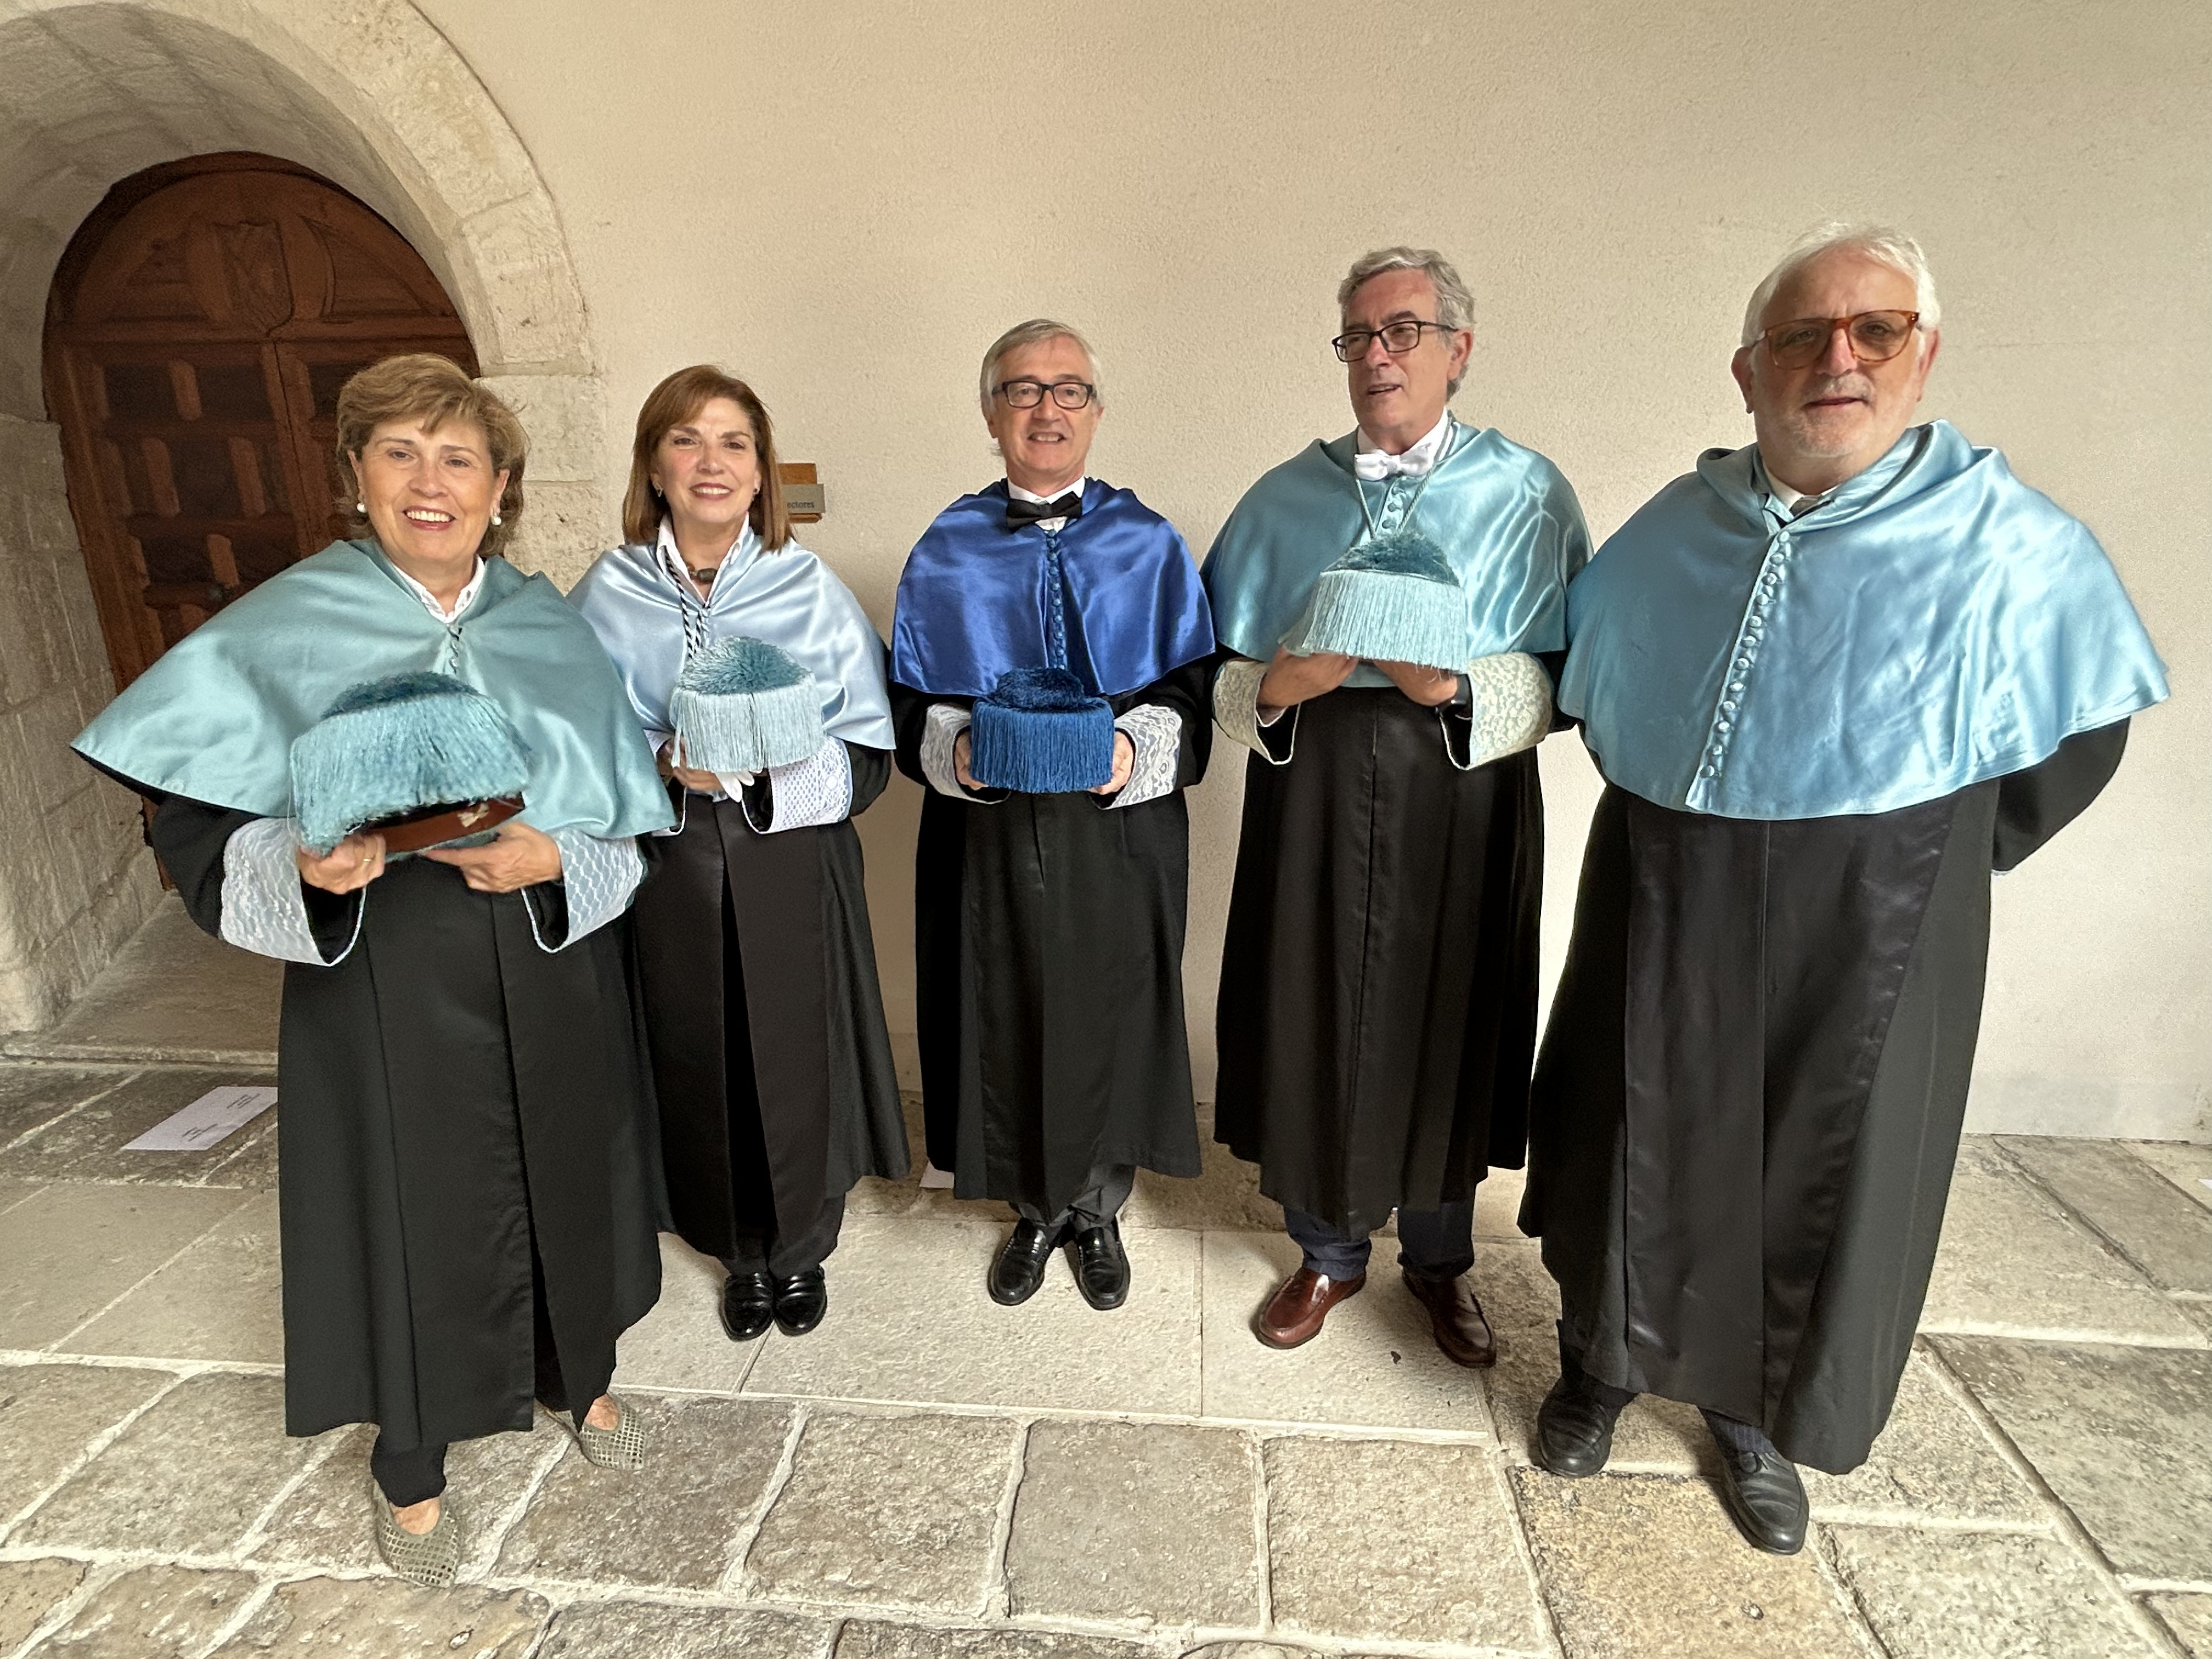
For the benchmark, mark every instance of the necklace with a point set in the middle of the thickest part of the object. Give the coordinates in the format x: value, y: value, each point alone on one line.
x: 704, y: 578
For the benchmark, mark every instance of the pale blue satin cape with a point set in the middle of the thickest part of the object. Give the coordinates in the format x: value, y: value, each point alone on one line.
x: 1502, y: 515
x: 1934, y: 623
x: 790, y: 598
x: 213, y: 720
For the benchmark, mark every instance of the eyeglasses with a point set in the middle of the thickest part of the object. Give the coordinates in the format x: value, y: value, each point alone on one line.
x: 1875, y: 337
x: 1028, y: 394
x: 1398, y: 339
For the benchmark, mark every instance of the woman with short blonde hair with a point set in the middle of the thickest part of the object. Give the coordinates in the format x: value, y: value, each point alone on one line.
x: 468, y: 1202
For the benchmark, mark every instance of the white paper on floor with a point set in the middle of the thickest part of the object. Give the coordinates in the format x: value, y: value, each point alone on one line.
x: 215, y: 1115
x: 2207, y: 1181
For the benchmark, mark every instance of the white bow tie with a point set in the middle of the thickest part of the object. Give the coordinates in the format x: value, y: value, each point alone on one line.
x: 1372, y: 466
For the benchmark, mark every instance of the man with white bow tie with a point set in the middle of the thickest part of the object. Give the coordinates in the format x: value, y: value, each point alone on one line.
x: 1378, y: 1015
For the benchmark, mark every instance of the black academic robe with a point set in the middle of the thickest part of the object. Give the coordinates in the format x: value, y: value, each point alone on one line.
x: 771, y: 1060
x: 1377, y: 1013
x: 1048, y: 934
x: 1752, y: 1089
x: 467, y: 1150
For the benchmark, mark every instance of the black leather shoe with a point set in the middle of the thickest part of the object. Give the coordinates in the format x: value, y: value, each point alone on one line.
x: 1574, y: 1432
x: 748, y: 1306
x: 1019, y: 1269
x: 1766, y: 1499
x: 800, y: 1302
x: 1101, y: 1265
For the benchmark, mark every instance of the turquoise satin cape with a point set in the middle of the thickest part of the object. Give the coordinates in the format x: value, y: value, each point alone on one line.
x: 790, y: 598
x: 1936, y: 622
x: 214, y: 718
x: 1504, y: 516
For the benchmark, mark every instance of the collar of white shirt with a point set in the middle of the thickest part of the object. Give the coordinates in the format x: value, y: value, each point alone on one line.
x: 1021, y: 494
x: 674, y: 560
x: 1375, y: 464
x: 467, y: 599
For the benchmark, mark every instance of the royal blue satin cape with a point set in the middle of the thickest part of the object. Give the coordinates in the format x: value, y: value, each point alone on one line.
x: 213, y: 720
x: 972, y: 599
x: 1935, y: 623
x: 1503, y: 516
x: 790, y: 598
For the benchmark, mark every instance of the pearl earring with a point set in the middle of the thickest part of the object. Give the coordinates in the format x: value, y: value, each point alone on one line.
x: 496, y: 519
x: 361, y: 507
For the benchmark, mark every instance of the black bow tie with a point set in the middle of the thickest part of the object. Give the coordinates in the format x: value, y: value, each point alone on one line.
x: 1019, y: 511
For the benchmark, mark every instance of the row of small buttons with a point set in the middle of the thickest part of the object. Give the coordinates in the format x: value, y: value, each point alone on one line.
x: 1394, y: 497
x: 1765, y: 591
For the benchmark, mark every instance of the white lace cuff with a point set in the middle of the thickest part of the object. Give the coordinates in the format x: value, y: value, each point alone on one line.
x: 1509, y: 709
x: 600, y: 877
x: 815, y: 791
x: 941, y: 727
x: 263, y: 909
x: 1156, y: 733
x: 1237, y: 711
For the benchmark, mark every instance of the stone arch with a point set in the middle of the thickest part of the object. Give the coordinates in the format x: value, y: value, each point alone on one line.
x: 375, y: 97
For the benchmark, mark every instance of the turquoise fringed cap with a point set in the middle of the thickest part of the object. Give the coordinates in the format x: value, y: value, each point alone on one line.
x: 1392, y: 599
x: 397, y: 746
x: 1040, y: 733
x: 742, y: 705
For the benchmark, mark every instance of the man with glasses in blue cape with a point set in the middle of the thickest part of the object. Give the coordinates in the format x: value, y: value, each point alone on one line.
x: 1383, y: 601
x: 1049, y: 655
x: 1832, y: 680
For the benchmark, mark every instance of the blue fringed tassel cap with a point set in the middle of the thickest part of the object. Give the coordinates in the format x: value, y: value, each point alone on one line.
x: 742, y: 705
x: 1392, y: 600
x: 1039, y: 732
x: 396, y: 746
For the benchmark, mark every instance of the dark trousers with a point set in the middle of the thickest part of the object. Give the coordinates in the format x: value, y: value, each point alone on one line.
x: 418, y: 1473
x: 1095, y: 1207
x: 1437, y: 1243
x: 780, y: 1257
x: 1731, y: 1434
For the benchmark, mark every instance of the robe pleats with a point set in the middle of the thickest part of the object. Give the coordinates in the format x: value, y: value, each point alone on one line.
x: 1048, y: 948
x: 1377, y: 1013
x: 766, y: 1020
x: 455, y: 1100
x: 1751, y: 1092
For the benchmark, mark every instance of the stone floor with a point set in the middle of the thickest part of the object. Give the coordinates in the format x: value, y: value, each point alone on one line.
x: 931, y: 1476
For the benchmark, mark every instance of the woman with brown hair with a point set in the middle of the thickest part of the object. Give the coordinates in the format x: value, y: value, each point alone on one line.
x: 770, y: 1056
x: 468, y: 1193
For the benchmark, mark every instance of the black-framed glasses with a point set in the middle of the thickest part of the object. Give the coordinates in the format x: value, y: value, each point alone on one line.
x: 1028, y: 394
x: 1875, y: 337
x: 1398, y: 339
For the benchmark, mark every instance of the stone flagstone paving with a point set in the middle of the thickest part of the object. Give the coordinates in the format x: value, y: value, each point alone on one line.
x: 931, y: 1476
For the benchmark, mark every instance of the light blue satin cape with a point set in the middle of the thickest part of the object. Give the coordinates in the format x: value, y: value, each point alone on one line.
x: 791, y: 599
x: 1504, y: 516
x: 214, y: 718
x: 973, y: 597
x: 1936, y: 622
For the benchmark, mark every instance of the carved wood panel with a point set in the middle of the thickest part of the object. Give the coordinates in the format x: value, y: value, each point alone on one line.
x: 198, y: 329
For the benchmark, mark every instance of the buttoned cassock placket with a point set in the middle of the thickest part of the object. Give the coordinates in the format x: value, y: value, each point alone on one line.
x: 1705, y: 789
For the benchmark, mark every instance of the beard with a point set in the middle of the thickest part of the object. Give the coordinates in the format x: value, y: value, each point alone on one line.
x: 1830, y: 435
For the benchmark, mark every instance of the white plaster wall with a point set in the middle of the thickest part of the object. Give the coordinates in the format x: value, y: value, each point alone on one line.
x: 845, y: 202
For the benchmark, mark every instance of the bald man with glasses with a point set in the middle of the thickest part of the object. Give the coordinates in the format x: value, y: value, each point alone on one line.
x: 1832, y: 680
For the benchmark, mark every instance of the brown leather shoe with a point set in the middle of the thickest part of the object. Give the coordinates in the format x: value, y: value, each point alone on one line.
x: 1293, y: 1315
x: 1457, y: 1318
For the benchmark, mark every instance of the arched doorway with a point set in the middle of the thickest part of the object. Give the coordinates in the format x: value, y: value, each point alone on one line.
x: 200, y: 324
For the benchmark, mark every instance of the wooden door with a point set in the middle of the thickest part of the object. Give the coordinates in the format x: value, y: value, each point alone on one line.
x: 198, y: 329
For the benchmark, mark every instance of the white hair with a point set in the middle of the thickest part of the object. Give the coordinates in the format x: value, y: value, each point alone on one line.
x: 1879, y: 243
x: 1454, y: 305
x: 1035, y: 331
